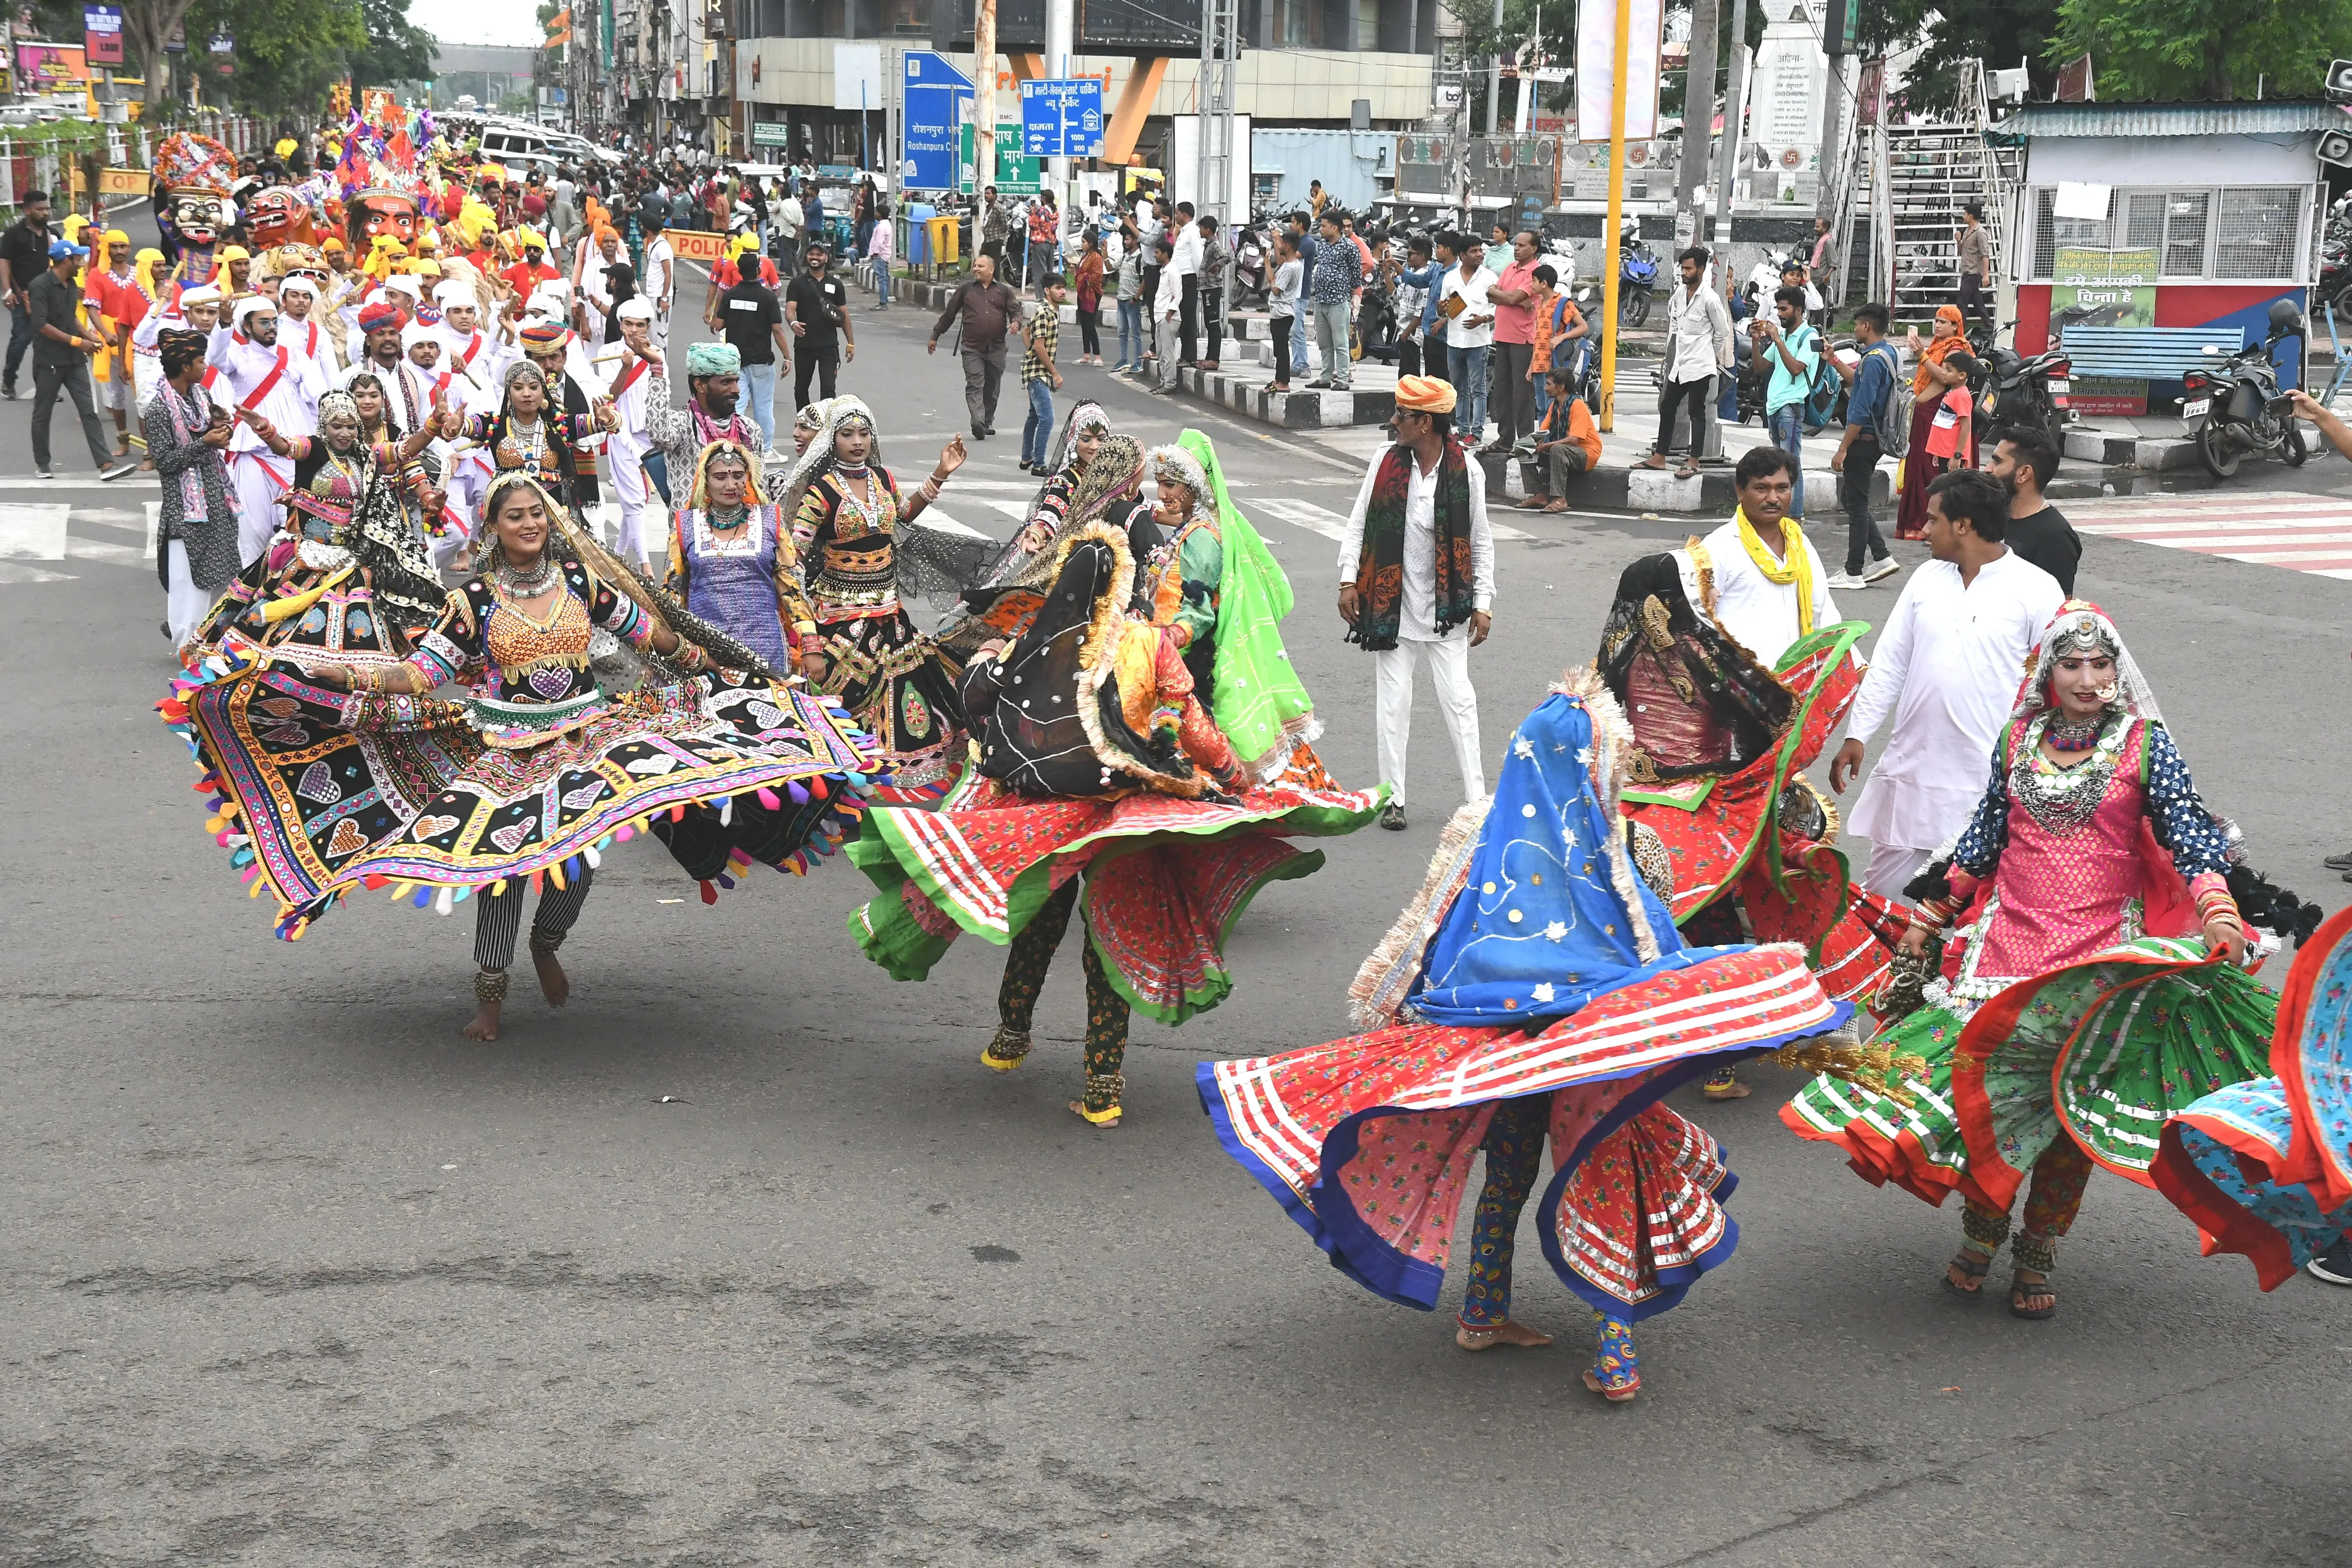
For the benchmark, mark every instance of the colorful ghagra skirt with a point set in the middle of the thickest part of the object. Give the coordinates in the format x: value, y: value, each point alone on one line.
x: 1177, y: 874
x: 2264, y: 1167
x: 899, y: 690
x: 317, y: 792
x: 2101, y: 1052
x: 1367, y: 1141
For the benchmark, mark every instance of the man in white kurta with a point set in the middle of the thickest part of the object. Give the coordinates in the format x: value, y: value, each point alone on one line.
x: 1947, y: 667
x: 627, y: 366
x: 302, y: 328
x: 1746, y: 577
x: 265, y: 379
x: 1420, y: 427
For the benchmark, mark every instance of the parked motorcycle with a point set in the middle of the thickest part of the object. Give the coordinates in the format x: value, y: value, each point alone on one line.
x: 1252, y: 278
x: 2027, y: 391
x: 1637, y: 275
x: 2237, y: 397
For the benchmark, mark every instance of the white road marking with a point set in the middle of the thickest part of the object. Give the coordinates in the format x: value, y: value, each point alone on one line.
x: 11, y: 571
x: 33, y: 531
x: 2310, y: 534
x: 1330, y: 525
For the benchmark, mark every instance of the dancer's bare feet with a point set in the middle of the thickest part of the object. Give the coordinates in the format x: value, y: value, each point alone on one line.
x: 1098, y: 1118
x: 1510, y: 1332
x: 484, y: 1023
x: 489, y: 995
x: 553, y: 984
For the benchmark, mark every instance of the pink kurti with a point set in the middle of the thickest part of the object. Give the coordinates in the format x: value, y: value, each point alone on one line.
x: 2057, y: 900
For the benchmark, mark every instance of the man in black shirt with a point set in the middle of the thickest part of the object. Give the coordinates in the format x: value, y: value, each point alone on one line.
x: 2025, y: 459
x: 61, y: 350
x: 817, y: 307
x: 748, y: 316
x: 24, y: 257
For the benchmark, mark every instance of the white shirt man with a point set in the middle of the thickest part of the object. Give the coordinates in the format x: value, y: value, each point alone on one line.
x: 1448, y: 655
x: 1947, y: 667
x: 467, y: 350
x: 301, y: 329
x: 660, y: 285
x: 1698, y: 331
x: 589, y: 283
x: 1754, y: 612
x: 266, y: 378
x: 628, y: 365
x: 1475, y: 306
x: 424, y: 381
x: 1187, y: 237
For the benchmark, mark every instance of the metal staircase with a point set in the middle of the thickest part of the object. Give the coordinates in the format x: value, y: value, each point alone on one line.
x: 1910, y: 182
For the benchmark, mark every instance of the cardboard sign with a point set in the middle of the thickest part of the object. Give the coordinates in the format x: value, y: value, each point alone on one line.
x: 122, y: 182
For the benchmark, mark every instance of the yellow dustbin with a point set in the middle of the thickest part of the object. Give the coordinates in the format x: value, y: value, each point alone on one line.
x: 946, y: 235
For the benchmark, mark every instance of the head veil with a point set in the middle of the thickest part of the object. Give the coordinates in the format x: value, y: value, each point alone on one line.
x: 1005, y: 590
x: 1076, y: 692
x: 1705, y: 705
x: 1533, y: 906
x: 817, y: 461
x: 2081, y: 627
x: 1084, y: 415
x: 568, y: 541
x: 1258, y: 701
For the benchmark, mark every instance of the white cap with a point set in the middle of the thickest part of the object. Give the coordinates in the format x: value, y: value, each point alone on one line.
x: 405, y: 283
x: 202, y: 294
x: 252, y: 302
x: 418, y: 333
x: 454, y: 292
x: 635, y: 308
x: 298, y: 280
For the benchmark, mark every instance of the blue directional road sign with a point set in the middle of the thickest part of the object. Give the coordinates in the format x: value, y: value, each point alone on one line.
x: 1061, y: 118
x: 935, y: 93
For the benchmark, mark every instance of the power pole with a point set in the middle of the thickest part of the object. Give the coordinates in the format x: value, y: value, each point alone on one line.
x: 983, y: 98
x: 1221, y: 50
x: 1060, y: 35
x: 1698, y: 112
x: 1495, y: 72
x: 1735, y: 107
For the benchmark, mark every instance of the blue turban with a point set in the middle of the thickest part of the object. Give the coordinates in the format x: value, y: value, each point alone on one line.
x: 713, y: 359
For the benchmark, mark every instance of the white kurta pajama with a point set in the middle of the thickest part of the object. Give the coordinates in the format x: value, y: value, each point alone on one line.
x: 275, y: 383
x: 1947, y: 667
x: 1448, y: 656
x: 644, y: 521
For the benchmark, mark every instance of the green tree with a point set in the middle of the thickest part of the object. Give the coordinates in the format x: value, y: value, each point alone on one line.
x: 397, y: 49
x: 289, y: 52
x: 2182, y: 49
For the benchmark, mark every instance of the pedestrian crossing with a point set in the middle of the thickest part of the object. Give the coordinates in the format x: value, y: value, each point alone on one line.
x: 34, y: 532
x: 2269, y: 528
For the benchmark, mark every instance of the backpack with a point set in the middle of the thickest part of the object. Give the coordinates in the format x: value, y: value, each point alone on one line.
x: 1821, y: 393
x: 1891, y: 420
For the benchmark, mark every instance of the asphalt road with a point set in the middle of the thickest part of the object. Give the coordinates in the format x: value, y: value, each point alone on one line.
x: 743, y: 1258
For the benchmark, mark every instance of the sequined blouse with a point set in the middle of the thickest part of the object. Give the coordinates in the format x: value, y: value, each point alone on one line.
x: 2174, y: 810
x: 541, y: 456
x: 845, y: 546
x: 529, y: 674
x: 1182, y: 582
x: 334, y: 487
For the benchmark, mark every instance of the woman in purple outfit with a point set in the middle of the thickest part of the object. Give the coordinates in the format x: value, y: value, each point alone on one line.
x: 731, y: 559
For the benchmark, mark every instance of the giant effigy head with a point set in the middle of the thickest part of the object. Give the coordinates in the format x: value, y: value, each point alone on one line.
x: 386, y: 179
x: 197, y: 174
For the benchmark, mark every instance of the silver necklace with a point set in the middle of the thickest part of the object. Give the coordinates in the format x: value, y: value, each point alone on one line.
x: 525, y: 582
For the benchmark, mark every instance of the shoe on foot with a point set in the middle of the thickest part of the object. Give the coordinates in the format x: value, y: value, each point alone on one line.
x: 44, y: 474
x: 1725, y: 1086
x: 2339, y: 862
x: 1885, y: 566
x: 2335, y: 1265
x: 120, y: 469
x: 1844, y: 581
x: 1393, y: 818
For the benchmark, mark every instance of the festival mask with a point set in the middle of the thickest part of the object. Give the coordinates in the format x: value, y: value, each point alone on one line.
x: 275, y: 218
x: 384, y: 213
x: 200, y: 217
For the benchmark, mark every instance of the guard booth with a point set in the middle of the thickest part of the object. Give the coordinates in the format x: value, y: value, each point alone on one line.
x: 2145, y: 231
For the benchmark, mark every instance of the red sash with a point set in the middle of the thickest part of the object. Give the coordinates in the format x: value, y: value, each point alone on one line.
x: 473, y: 348
x: 253, y: 399
x: 629, y: 377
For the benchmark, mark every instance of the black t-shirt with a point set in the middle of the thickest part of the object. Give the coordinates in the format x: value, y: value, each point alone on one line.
x: 815, y: 303
x: 2048, y: 540
x: 25, y: 248
x: 748, y: 314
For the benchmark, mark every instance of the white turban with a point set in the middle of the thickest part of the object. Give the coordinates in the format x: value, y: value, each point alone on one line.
x: 202, y: 294
x: 405, y: 283
x: 248, y: 305
x: 298, y: 280
x: 635, y: 308
x: 418, y: 333
x: 454, y: 292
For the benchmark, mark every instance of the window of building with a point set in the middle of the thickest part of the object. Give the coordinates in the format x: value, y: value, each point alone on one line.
x: 2245, y: 234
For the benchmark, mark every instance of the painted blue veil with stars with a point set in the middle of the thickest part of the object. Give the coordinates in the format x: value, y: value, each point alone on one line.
x: 1553, y: 914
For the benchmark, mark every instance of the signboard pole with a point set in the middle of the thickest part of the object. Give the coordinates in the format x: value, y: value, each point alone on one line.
x: 1610, y: 265
x: 1735, y: 111
x: 984, y: 103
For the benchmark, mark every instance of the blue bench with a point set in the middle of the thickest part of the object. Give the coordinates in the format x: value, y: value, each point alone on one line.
x: 2147, y: 354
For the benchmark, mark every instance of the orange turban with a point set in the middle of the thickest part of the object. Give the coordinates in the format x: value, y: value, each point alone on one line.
x: 1424, y: 394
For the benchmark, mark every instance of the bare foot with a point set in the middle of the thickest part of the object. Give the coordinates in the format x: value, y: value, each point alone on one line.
x: 1618, y: 1396
x: 552, y: 982
x: 1094, y: 1118
x: 1510, y: 1332
x: 484, y: 1025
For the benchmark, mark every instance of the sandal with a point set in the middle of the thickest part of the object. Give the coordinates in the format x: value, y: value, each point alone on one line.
x: 1099, y: 1118
x: 2022, y: 1289
x: 1973, y: 1265
x: 1560, y: 505
x: 1687, y: 472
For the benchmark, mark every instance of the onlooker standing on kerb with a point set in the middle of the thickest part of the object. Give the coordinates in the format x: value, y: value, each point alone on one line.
x: 61, y: 362
x: 1698, y: 347
x: 789, y: 223
x: 1867, y: 560
x: 1793, y: 350
x: 1282, y: 306
x: 24, y: 257
x: 817, y: 306
x: 1513, y: 297
x: 1215, y: 258
x: 1040, y: 377
x: 1975, y: 242
x: 1331, y: 288
x: 1044, y: 240
x: 988, y: 311
x: 1185, y: 258
x: 1469, y: 333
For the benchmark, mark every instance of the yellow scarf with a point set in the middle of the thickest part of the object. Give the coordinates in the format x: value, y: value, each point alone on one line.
x: 1795, y: 566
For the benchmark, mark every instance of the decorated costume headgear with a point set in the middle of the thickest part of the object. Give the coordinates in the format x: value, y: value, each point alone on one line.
x: 713, y: 359
x: 337, y: 404
x: 180, y: 348
x: 1177, y: 464
x: 738, y: 452
x: 2078, y: 628
x: 385, y: 181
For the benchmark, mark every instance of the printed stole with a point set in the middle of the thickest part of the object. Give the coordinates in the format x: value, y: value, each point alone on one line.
x: 1379, y: 569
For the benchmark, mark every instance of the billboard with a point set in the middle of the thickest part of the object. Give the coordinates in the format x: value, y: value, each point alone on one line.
x: 1596, y: 60
x: 101, y: 35
x: 51, y: 67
